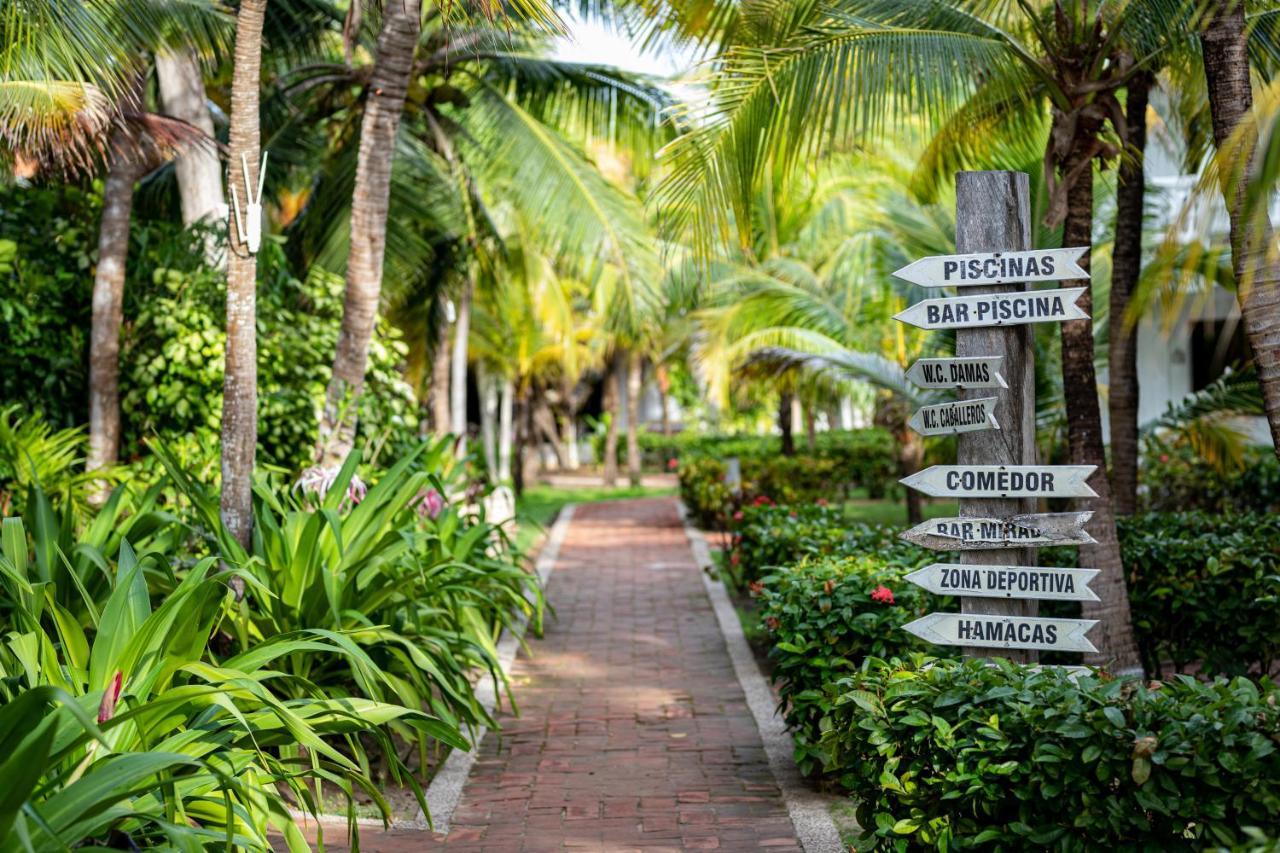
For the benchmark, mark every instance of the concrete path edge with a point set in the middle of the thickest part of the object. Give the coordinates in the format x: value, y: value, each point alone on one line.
x: 808, y: 808
x: 445, y: 790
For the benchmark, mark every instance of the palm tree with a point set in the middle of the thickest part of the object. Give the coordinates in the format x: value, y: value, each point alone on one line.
x: 1225, y: 42
x: 240, y: 379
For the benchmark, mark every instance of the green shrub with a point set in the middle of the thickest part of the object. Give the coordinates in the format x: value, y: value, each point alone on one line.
x: 1197, y: 588
x: 1179, y: 479
x: 825, y: 616
x: 704, y: 492
x: 952, y: 755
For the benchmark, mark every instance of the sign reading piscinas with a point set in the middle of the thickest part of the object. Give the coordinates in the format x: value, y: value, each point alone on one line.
x: 995, y: 268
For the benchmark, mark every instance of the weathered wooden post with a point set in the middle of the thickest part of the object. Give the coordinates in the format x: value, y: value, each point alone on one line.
x: 993, y: 214
x: 997, y: 479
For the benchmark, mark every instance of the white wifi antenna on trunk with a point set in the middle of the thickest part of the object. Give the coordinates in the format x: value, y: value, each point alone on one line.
x: 249, y: 224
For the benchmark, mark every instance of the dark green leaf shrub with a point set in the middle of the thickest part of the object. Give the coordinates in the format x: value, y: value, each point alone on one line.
x: 952, y: 755
x: 1197, y: 581
x: 824, y: 617
x: 1178, y: 479
x: 704, y: 492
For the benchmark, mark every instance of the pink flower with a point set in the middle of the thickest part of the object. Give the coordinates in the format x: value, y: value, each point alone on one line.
x: 735, y: 558
x: 822, y: 502
x: 737, y: 516
x: 882, y: 594
x: 430, y: 503
x: 673, y: 464
x: 1164, y: 457
x: 107, y: 709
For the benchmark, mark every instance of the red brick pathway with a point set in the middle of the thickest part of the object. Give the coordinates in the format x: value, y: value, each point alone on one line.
x: 633, y: 733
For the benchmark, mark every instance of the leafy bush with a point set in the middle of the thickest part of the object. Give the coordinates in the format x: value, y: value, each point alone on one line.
x: 1197, y: 588
x: 705, y: 493
x: 953, y: 755
x: 825, y: 616
x: 1178, y: 480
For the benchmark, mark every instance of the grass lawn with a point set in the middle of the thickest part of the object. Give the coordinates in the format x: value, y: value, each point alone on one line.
x: 538, y: 506
x: 894, y: 512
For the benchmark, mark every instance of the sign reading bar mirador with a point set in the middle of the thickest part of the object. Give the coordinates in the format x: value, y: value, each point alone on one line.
x: 995, y: 268
x: 1004, y: 632
x: 1019, y: 531
x: 996, y: 309
x: 980, y: 372
x: 956, y: 416
x: 1033, y: 582
x: 1003, y: 481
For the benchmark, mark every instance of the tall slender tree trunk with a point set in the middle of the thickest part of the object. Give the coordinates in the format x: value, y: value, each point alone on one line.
x: 784, y: 423
x: 1257, y: 273
x: 810, y: 429
x: 610, y: 461
x: 441, y: 420
x: 523, y: 438
x: 569, y: 428
x: 663, y: 377
x: 506, y: 429
x: 488, y: 385
x: 1114, y: 634
x: 108, y: 302
x: 635, y: 381
x: 458, y: 365
x: 384, y: 102
x: 182, y: 95
x: 240, y: 381
x: 910, y: 457
x: 1126, y: 265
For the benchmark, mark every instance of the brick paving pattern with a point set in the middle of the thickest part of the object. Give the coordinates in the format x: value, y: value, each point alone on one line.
x: 633, y: 733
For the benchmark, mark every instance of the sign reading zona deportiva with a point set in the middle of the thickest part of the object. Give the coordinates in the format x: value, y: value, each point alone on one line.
x: 995, y: 268
x: 980, y: 372
x: 955, y: 416
x: 996, y: 309
x: 1004, y: 632
x: 1003, y: 481
x: 1026, y: 582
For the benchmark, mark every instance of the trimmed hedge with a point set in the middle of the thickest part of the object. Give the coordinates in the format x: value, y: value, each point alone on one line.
x: 1177, y: 480
x: 1202, y: 588
x: 955, y: 755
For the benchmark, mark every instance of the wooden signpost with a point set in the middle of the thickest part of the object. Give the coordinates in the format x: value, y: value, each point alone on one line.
x: 957, y: 373
x: 1003, y: 481
x: 998, y: 479
x: 955, y: 417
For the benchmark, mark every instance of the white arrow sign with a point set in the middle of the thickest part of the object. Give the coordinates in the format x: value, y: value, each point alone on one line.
x: 956, y: 416
x: 996, y: 309
x: 1004, y: 632
x: 1033, y: 582
x: 984, y: 534
x: 1003, y: 481
x: 980, y: 372
x: 995, y: 268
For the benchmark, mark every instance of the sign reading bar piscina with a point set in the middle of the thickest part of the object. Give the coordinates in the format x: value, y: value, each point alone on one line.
x: 1004, y: 632
x: 1019, y: 531
x: 1003, y: 481
x: 956, y: 416
x: 1028, y: 582
x: 996, y: 309
x: 995, y: 268
x: 980, y: 372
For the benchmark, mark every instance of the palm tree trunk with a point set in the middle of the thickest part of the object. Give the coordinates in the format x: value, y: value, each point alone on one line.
x: 1126, y: 264
x: 1226, y: 71
x: 199, y: 175
x: 240, y: 381
x: 392, y: 68
x: 506, y: 430
x: 810, y: 428
x: 910, y: 457
x: 610, y: 461
x: 784, y: 423
x: 458, y: 382
x: 488, y: 385
x: 522, y: 437
x: 108, y: 313
x: 441, y: 421
x: 1114, y: 634
x: 569, y: 427
x: 663, y: 377
x: 635, y: 379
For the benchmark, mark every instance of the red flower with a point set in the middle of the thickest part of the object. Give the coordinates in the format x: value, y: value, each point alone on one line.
x: 734, y: 558
x: 737, y: 516
x: 882, y: 594
x: 107, y: 709
x: 793, y: 514
x: 822, y: 502
x: 772, y: 623
x: 1164, y: 457
x: 673, y: 464
x: 762, y: 500
x: 756, y: 587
